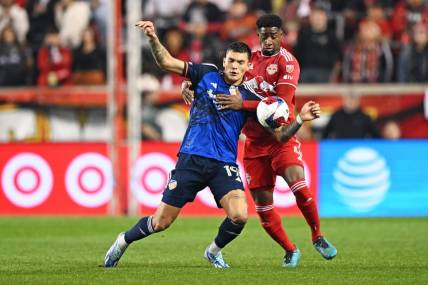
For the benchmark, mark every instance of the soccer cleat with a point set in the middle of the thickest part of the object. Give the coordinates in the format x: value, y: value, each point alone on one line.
x: 115, y: 252
x: 325, y: 248
x: 216, y: 260
x: 291, y: 258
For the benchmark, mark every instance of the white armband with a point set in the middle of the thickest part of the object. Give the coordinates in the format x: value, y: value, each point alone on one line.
x: 299, y: 120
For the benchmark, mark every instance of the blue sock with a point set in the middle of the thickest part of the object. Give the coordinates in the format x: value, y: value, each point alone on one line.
x: 141, y: 230
x: 227, y: 232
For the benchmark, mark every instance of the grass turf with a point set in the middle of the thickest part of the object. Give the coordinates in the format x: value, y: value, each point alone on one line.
x: 58, y: 250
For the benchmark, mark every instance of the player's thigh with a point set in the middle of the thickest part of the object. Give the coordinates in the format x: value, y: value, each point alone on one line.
x: 234, y: 204
x: 164, y: 216
x: 259, y: 173
x: 185, y: 181
x: 288, y: 162
x: 225, y: 180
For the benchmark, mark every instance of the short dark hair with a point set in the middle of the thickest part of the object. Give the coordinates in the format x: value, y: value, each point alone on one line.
x: 269, y: 20
x: 240, y: 47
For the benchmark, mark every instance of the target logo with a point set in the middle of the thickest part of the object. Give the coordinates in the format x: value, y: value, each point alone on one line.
x: 207, y: 198
x: 27, y: 180
x: 283, y: 197
x: 89, y: 180
x: 150, y: 176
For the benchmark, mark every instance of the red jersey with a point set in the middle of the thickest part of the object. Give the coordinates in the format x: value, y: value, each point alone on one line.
x: 279, y: 71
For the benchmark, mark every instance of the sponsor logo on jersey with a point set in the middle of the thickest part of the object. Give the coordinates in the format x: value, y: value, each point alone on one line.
x: 288, y: 77
x: 289, y: 68
x: 210, y: 93
x: 272, y: 69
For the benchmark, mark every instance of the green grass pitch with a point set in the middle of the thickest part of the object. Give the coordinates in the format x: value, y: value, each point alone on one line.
x: 58, y: 250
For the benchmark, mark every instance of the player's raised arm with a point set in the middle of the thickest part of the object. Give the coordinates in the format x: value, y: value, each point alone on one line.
x: 310, y: 111
x: 163, y: 58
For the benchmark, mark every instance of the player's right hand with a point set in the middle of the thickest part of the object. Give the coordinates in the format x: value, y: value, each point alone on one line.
x: 310, y: 111
x: 147, y: 27
x: 186, y: 92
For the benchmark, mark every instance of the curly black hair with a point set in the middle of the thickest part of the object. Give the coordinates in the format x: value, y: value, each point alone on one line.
x: 269, y: 20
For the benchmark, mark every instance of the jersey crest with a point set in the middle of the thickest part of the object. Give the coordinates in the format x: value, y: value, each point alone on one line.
x: 272, y: 69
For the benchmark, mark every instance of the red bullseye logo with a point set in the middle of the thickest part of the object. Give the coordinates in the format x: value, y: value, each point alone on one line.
x: 27, y: 180
x: 283, y: 197
x: 89, y: 180
x: 150, y: 176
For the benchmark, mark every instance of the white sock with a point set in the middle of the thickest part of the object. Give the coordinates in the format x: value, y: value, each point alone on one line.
x: 213, y: 248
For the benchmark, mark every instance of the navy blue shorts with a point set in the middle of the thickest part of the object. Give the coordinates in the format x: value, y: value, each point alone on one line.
x: 193, y: 173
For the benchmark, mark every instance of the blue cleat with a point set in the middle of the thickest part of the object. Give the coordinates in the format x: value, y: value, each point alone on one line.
x: 116, y: 251
x: 216, y: 260
x: 325, y: 248
x: 291, y: 258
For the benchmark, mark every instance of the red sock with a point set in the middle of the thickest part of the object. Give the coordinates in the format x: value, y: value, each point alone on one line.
x: 307, y: 206
x: 272, y: 224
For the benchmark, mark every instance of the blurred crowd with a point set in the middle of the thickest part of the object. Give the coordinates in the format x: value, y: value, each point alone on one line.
x: 355, y: 41
x: 62, y: 42
x: 52, y: 42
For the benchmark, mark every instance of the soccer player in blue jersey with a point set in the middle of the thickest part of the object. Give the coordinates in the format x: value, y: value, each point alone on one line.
x: 207, y: 156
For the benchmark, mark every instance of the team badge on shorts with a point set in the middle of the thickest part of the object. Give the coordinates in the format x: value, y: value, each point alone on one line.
x: 172, y: 184
x: 272, y: 69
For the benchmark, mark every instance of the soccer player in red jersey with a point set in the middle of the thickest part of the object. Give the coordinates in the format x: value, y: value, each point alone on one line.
x: 275, y: 71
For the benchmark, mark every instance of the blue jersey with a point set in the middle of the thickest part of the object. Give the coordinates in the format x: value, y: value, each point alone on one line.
x: 212, y: 133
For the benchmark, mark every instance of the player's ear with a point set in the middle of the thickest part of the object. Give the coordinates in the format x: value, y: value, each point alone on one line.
x: 224, y: 62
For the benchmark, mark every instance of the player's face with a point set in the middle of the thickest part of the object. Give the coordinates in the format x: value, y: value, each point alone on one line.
x: 235, y: 65
x: 270, y: 39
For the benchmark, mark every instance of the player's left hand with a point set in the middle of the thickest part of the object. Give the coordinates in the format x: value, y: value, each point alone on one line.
x: 310, y: 111
x: 232, y: 101
x: 148, y: 28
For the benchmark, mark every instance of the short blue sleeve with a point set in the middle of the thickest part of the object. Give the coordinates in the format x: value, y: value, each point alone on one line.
x: 195, y: 72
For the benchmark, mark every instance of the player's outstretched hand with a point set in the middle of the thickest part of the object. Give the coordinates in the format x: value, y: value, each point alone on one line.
x: 147, y: 27
x: 232, y: 101
x: 186, y: 92
x: 310, y: 111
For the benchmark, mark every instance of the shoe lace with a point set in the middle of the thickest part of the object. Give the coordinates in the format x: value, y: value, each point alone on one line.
x: 288, y: 256
x: 218, y: 259
x: 321, y: 242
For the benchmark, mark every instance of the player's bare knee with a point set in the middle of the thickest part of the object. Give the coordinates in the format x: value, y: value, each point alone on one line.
x: 161, y: 224
x: 239, y: 218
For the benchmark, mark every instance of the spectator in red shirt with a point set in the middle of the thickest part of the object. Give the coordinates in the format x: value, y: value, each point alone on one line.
x: 54, y: 62
x: 405, y: 15
x: 239, y: 25
x: 376, y: 13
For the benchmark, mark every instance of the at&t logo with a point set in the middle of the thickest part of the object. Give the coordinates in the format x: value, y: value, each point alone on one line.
x: 361, y: 179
